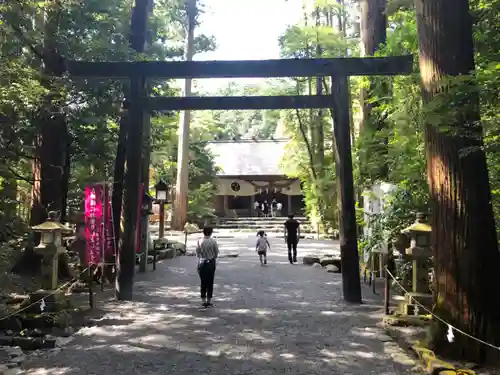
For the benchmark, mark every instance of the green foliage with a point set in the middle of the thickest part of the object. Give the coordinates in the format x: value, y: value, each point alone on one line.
x: 487, y: 44
x: 261, y: 124
x: 408, y: 199
x: 97, y: 30
x: 310, y: 154
x: 201, y: 169
x: 92, y: 30
x: 200, y: 202
x: 400, y: 210
x: 398, y: 105
x: 302, y: 41
x: 404, y: 116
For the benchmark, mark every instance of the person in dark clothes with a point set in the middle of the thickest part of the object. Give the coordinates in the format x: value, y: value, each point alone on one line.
x: 292, y: 235
x: 265, y: 209
x: 207, y: 252
x: 274, y: 207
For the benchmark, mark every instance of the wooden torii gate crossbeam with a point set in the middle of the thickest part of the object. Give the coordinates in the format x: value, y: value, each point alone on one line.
x: 140, y: 105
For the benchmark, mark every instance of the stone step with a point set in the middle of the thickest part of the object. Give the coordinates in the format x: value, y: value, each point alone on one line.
x: 255, y: 218
x: 269, y: 224
x: 280, y: 222
x: 267, y: 230
x: 258, y: 226
x: 262, y: 223
x: 266, y: 220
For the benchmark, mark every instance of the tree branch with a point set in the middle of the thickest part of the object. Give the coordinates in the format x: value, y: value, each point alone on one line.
x: 22, y: 38
x: 334, y: 143
x: 306, y: 141
x: 20, y: 177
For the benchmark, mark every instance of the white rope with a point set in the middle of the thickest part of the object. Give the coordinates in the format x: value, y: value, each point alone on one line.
x: 450, y: 327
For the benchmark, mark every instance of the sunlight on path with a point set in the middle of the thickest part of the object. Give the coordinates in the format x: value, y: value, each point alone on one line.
x: 267, y: 320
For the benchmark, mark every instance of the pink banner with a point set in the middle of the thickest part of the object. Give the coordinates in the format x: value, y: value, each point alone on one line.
x: 94, y: 199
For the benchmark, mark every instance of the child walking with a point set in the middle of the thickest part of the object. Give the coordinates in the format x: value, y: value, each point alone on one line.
x: 262, y: 246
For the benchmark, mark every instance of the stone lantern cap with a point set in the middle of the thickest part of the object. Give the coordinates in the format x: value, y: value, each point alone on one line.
x: 419, y: 230
x: 418, y: 227
x: 51, y: 225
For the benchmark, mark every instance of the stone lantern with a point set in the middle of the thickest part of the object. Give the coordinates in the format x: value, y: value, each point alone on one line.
x: 419, y: 253
x: 50, y: 248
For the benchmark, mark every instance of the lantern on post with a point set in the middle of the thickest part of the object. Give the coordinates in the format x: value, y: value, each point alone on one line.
x: 419, y: 252
x: 144, y: 236
x: 49, y: 248
x: 161, y: 198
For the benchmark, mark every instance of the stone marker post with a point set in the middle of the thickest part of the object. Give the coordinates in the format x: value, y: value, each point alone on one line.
x: 419, y: 252
x: 50, y: 248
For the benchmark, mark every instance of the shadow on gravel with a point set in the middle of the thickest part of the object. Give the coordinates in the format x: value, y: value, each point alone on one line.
x: 267, y: 320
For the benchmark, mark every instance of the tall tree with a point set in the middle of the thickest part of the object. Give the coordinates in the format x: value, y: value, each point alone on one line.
x: 50, y: 169
x: 373, y: 25
x: 373, y: 35
x: 179, y: 216
x: 464, y: 239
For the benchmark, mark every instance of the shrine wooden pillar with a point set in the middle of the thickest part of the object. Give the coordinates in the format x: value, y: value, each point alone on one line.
x: 135, y: 125
x: 351, y: 284
x: 131, y: 206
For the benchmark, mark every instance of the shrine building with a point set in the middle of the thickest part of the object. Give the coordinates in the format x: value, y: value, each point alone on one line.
x: 250, y: 170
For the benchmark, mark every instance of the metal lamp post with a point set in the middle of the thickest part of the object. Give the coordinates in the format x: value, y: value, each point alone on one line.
x: 161, y: 197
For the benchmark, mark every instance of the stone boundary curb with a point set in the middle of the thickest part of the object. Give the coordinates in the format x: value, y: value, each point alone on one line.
x: 428, y: 361
x: 436, y: 366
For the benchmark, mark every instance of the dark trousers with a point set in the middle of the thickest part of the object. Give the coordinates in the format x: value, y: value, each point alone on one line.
x: 206, y: 271
x: 292, y: 245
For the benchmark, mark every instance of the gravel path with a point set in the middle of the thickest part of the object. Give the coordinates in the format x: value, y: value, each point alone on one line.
x: 277, y: 319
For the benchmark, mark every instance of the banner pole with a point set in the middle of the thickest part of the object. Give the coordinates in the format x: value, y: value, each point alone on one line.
x: 105, y: 198
x: 115, y: 245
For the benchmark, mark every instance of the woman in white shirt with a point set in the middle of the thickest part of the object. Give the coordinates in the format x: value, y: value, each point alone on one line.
x: 207, y: 251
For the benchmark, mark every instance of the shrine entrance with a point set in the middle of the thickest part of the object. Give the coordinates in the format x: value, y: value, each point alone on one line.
x: 250, y: 171
x: 336, y: 71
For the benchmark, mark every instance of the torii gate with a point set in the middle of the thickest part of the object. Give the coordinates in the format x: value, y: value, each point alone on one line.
x: 338, y: 69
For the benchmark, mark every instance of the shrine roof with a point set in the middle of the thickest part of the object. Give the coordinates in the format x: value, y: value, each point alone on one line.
x: 248, y: 157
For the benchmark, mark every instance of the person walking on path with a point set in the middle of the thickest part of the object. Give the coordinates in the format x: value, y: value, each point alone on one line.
x: 292, y: 235
x: 265, y: 209
x: 274, y: 207
x: 256, y: 208
x: 207, y: 251
x: 261, y: 246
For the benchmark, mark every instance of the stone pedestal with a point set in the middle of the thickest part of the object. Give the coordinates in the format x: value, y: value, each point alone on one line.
x: 409, y: 307
x: 378, y: 260
x: 420, y: 283
x: 54, y: 301
x: 420, y: 271
x: 50, y: 264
